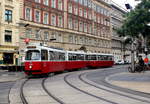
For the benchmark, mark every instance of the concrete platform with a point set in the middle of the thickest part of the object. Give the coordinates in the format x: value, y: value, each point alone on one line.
x: 134, y: 81
x: 6, y: 76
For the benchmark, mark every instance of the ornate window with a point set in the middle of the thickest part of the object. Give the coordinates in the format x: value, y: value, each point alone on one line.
x: 38, y: 1
x: 28, y: 13
x: 85, y: 13
x: 70, y: 8
x: 80, y: 12
x: 37, y: 16
x: 8, y: 15
x: 80, y: 26
x: 60, y: 4
x: 75, y: 24
x: 53, y: 3
x: 53, y: 19
x: 85, y: 27
x: 8, y: 36
x: 45, y: 20
x: 76, y: 10
x: 37, y: 34
x: 70, y: 23
x: 46, y: 2
x: 46, y: 34
x: 60, y: 21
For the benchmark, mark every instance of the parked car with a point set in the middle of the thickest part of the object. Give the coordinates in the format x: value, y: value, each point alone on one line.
x: 120, y: 62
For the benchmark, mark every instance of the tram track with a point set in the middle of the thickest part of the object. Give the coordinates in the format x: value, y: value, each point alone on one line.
x: 111, y: 91
x: 23, y: 99
x: 50, y: 94
x: 100, y: 98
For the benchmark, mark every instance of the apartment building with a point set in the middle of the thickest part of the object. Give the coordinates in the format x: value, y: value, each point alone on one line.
x: 68, y: 24
x: 9, y: 40
x: 119, y: 49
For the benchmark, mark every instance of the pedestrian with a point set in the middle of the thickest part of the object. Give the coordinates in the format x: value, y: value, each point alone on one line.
x: 141, y: 61
x: 146, y: 60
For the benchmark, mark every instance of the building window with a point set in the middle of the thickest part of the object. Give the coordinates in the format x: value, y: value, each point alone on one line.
x: 70, y: 39
x: 28, y: 14
x: 8, y: 15
x: 80, y: 12
x: 80, y: 26
x: 46, y: 34
x: 89, y: 4
x: 76, y: 25
x: 81, y: 1
x: 95, y: 30
x: 53, y: 3
x: 90, y: 15
x: 60, y: 21
x: 46, y: 2
x: 70, y: 23
x: 85, y: 2
x: 8, y: 36
x: 46, y: 18
x: 37, y: 16
x: 94, y: 17
x: 76, y: 10
x: 37, y: 34
x: 85, y: 27
x: 70, y: 8
x: 60, y: 5
x: 37, y: 1
x: 28, y: 33
x: 53, y: 20
x: 59, y: 38
x: 90, y: 28
x: 85, y: 13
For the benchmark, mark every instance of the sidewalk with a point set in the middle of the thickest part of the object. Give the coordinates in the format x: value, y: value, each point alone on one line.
x: 134, y: 81
x: 6, y: 76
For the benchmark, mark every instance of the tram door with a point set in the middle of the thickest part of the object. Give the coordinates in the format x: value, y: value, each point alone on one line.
x: 8, y: 58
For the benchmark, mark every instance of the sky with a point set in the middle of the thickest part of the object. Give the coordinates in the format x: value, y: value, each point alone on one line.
x: 122, y: 3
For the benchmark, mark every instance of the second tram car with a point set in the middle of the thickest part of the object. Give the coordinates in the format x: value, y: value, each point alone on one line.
x: 44, y: 60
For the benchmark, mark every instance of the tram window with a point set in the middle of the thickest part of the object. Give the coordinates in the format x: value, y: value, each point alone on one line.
x: 93, y: 57
x: 99, y: 57
x: 110, y: 58
x: 44, y: 55
x: 51, y: 55
x: 80, y: 57
x: 61, y: 56
x: 72, y: 56
x: 102, y: 57
x: 33, y: 55
x: 87, y: 57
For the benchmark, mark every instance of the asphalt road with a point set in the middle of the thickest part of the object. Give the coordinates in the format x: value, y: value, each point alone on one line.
x: 4, y: 91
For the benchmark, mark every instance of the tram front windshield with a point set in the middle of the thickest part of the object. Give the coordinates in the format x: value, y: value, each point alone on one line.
x: 33, y: 55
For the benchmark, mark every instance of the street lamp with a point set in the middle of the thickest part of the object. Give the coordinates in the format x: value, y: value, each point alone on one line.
x: 128, y: 6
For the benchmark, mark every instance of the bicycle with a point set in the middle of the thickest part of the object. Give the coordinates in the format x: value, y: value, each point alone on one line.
x: 130, y: 69
x: 138, y: 68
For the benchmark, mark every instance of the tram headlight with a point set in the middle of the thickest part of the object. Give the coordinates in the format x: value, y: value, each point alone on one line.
x: 30, y: 66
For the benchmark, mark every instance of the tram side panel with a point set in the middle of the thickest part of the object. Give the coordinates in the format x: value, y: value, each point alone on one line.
x: 54, y: 66
x: 70, y: 65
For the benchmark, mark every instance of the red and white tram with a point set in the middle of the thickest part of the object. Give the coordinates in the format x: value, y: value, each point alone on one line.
x: 44, y: 60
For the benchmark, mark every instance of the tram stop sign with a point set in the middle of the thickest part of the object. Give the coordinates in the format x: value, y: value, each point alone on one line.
x: 26, y: 40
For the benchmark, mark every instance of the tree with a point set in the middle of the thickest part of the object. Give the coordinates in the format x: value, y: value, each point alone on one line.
x: 136, y: 21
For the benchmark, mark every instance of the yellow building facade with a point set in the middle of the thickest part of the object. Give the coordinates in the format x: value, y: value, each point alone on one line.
x: 9, y: 39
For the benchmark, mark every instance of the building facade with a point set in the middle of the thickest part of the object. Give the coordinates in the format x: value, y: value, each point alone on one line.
x: 68, y: 24
x: 120, y: 50
x: 9, y: 40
